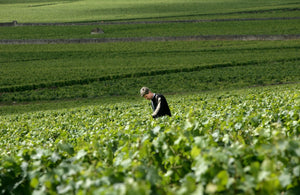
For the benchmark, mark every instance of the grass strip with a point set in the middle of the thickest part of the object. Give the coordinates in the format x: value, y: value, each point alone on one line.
x: 131, y: 75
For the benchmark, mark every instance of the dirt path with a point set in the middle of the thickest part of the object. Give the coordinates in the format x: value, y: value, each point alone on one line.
x: 149, y: 22
x: 144, y: 39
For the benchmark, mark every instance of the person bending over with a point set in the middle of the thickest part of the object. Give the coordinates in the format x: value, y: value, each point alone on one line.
x: 158, y: 102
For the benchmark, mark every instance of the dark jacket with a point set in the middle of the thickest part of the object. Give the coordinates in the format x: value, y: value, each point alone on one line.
x: 160, y: 106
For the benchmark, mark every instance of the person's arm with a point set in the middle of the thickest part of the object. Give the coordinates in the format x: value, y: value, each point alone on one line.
x: 154, y: 114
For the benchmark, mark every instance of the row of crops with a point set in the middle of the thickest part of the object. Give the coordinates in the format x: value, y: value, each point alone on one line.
x: 52, y: 72
x: 277, y: 26
x: 36, y: 64
x: 244, y: 142
x: 27, y: 64
x: 216, y: 142
x: 102, y: 10
x: 68, y: 71
x: 211, y: 79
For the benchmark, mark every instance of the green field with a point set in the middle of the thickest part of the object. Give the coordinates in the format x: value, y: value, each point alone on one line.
x: 103, y: 10
x: 268, y: 27
x: 72, y: 120
x: 71, y: 71
x: 236, y: 142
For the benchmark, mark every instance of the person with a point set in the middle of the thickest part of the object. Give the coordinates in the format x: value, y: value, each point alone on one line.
x: 158, y: 102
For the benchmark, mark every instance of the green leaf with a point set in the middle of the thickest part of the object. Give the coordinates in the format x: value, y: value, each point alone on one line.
x: 223, y: 177
x: 34, y: 182
x: 156, y: 130
x: 195, y: 152
x: 152, y: 176
x: 80, y: 154
x: 285, y: 179
x: 62, y: 189
x: 296, y: 171
x: 66, y: 148
x: 55, y: 157
x: 263, y: 175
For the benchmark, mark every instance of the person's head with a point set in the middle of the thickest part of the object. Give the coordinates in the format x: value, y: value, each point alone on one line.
x: 146, y: 93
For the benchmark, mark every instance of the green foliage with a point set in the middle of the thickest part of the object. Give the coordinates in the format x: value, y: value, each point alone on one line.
x: 99, y: 10
x: 56, y: 72
x: 238, y: 143
x: 30, y: 1
x: 259, y: 27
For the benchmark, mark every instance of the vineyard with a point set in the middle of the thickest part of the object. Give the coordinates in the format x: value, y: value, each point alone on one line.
x: 242, y: 142
x: 120, y: 10
x: 57, y: 72
x: 72, y: 120
x: 60, y: 71
x: 271, y: 26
